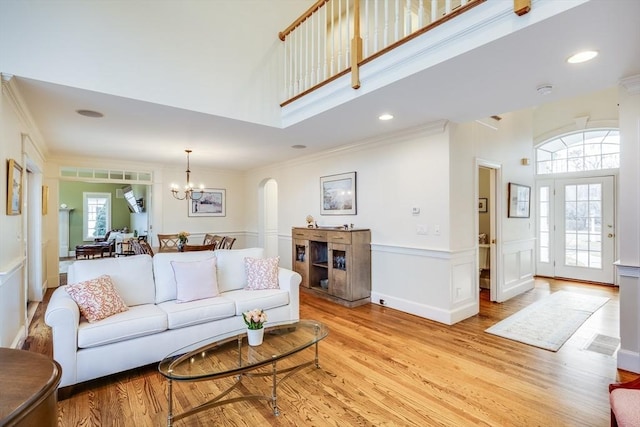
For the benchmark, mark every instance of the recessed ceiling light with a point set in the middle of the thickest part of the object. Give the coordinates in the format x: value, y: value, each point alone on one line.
x: 545, y: 89
x: 583, y: 56
x: 298, y: 146
x: 385, y: 116
x: 90, y: 113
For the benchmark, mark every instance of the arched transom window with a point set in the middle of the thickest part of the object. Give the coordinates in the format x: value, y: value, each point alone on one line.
x: 579, y: 152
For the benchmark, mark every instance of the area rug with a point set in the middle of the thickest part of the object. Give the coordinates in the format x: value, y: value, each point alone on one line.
x: 549, y: 322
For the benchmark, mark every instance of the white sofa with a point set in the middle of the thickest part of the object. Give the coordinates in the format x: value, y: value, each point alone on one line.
x: 155, y: 324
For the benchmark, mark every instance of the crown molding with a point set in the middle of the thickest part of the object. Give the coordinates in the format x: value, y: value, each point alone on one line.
x: 631, y: 84
x: 432, y: 128
x: 10, y: 89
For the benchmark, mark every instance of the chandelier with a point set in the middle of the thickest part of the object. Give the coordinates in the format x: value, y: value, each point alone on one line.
x: 189, y: 192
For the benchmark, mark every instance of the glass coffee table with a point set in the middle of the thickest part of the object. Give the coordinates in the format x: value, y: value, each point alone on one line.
x: 231, y: 355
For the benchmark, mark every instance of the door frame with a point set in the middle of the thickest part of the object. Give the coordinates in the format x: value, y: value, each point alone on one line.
x: 549, y: 269
x: 495, y: 220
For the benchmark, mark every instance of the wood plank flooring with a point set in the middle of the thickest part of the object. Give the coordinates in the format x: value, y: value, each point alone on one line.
x: 381, y: 367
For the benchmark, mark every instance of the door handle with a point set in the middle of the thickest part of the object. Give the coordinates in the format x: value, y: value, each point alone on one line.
x: 610, y: 235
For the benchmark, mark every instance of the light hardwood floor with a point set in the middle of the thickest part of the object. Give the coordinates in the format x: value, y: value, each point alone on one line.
x: 381, y: 367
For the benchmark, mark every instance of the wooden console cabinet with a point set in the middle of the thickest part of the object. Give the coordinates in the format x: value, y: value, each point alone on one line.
x: 334, y: 263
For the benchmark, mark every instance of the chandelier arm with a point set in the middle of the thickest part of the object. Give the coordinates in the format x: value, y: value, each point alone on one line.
x: 189, y: 193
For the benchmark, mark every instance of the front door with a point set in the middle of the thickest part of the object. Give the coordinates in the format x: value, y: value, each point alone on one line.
x: 577, y: 229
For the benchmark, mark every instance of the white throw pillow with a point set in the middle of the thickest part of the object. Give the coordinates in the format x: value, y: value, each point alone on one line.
x: 195, y: 279
x: 97, y: 298
x: 262, y: 273
x: 231, y: 271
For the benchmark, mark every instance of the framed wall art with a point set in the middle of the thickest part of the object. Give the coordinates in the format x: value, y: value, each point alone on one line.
x: 338, y: 193
x: 482, y: 205
x: 14, y: 187
x: 519, y: 200
x: 212, y: 203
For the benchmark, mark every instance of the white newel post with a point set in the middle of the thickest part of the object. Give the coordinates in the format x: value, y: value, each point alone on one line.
x: 628, y: 229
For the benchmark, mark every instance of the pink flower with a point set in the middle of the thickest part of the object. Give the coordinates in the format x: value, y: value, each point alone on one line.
x: 255, y: 318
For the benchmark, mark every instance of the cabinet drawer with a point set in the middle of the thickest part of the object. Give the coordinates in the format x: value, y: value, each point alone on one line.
x: 309, y: 234
x: 339, y: 237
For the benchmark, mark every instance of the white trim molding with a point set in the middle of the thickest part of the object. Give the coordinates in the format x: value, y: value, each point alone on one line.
x: 627, y: 270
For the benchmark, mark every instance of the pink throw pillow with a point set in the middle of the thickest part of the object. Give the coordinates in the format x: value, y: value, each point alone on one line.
x: 195, y: 279
x: 97, y: 298
x: 262, y: 273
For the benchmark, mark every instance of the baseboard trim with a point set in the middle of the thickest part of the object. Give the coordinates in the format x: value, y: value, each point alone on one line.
x: 422, y: 310
x: 629, y: 360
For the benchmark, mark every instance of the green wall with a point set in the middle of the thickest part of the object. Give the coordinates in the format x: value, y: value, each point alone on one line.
x: 71, y: 195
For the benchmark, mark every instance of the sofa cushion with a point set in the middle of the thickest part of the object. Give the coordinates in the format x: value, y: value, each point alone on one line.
x: 264, y: 299
x: 200, y: 311
x: 262, y: 273
x: 231, y: 269
x: 195, y: 279
x: 165, y: 281
x: 138, y: 321
x: 97, y: 299
x: 132, y: 276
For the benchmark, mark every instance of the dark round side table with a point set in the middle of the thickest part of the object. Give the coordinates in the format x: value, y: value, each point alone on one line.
x: 29, y: 395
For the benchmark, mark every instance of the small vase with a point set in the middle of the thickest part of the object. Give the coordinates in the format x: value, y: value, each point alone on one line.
x: 180, y: 247
x: 255, y: 336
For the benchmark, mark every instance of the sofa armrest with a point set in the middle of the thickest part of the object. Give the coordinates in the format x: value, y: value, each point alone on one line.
x: 63, y: 316
x: 290, y: 280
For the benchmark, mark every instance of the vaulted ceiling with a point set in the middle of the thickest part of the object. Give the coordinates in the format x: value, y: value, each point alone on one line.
x: 203, y: 78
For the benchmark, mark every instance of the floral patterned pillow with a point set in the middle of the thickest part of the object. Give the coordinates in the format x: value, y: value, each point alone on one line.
x: 97, y: 298
x: 262, y: 273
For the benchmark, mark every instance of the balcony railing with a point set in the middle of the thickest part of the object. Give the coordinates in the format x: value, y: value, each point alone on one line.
x: 335, y: 37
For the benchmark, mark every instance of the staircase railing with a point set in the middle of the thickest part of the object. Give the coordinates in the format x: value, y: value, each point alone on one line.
x: 335, y: 37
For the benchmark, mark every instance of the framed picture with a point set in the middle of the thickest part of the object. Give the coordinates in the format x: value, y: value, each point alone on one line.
x: 482, y: 205
x: 45, y: 199
x: 519, y: 200
x: 212, y: 203
x: 14, y: 188
x: 338, y: 193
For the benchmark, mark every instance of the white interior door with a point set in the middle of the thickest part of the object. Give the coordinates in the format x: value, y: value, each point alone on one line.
x: 584, y: 237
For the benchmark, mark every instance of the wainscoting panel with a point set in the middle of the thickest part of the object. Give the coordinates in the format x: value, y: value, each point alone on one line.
x: 518, y: 267
x: 434, y: 284
x: 13, y: 305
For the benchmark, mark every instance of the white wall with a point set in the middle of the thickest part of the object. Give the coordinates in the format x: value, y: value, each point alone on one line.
x: 12, y: 271
x: 430, y: 168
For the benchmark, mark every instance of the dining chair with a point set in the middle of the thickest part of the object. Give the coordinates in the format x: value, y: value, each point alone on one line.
x: 226, y: 243
x: 189, y: 248
x: 212, y: 238
x: 140, y: 247
x: 145, y: 246
x: 135, y: 247
x: 168, y: 242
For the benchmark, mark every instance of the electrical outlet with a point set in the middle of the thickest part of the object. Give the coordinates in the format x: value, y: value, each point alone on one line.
x: 436, y: 230
x: 415, y: 211
x: 422, y: 229
x: 382, y: 302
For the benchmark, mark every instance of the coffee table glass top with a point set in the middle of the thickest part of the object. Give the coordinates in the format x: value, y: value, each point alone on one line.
x: 230, y: 354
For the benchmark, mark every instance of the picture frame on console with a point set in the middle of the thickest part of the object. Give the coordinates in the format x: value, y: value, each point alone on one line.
x: 212, y: 203
x: 338, y: 194
x: 14, y: 188
x: 519, y: 200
